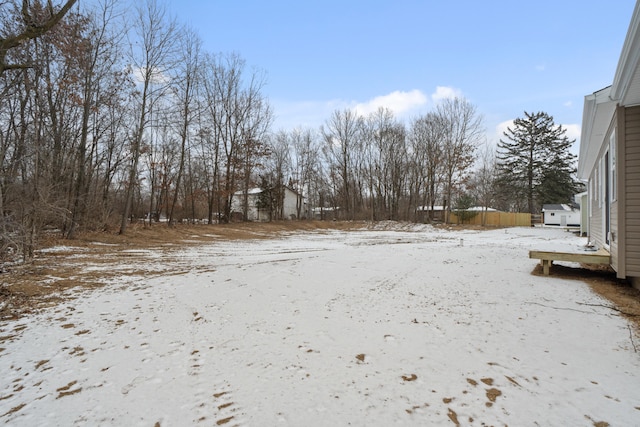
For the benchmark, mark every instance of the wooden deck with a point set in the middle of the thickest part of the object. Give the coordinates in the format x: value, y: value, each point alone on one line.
x: 546, y: 258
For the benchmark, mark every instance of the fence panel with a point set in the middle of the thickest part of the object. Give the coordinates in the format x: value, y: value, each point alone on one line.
x: 500, y: 219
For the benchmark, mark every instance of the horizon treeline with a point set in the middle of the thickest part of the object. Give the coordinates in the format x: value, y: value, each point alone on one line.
x: 116, y: 115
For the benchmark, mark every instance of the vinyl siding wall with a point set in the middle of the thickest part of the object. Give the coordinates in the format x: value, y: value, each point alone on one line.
x: 631, y: 190
x: 597, y: 210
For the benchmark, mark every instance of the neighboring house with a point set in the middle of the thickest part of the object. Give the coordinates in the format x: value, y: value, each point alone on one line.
x: 561, y: 214
x: 289, y: 206
x: 480, y: 209
x: 610, y: 160
x: 323, y: 213
x: 424, y: 213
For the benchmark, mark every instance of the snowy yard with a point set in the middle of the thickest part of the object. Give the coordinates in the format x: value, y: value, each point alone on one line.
x: 378, y: 327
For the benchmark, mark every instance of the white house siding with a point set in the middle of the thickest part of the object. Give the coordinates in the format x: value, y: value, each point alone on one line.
x: 289, y: 204
x: 289, y: 210
x: 632, y: 190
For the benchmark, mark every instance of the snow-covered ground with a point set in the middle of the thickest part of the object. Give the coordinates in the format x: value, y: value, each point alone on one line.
x: 411, y: 326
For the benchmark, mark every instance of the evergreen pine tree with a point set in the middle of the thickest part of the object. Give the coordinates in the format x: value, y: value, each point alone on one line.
x: 535, y: 164
x: 265, y: 201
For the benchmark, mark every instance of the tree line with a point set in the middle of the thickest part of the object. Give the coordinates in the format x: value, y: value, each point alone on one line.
x: 109, y: 116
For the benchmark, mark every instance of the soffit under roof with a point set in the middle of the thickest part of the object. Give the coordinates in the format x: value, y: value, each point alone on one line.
x: 598, y: 113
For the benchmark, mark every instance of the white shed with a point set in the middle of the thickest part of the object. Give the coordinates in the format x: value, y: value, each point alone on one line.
x: 561, y: 215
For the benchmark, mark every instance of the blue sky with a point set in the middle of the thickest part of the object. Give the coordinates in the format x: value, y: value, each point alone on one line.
x: 506, y: 57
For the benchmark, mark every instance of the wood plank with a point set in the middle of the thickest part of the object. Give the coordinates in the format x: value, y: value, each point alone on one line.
x: 599, y: 257
x: 547, y: 257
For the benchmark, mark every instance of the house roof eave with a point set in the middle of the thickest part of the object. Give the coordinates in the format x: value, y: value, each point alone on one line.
x: 597, y: 115
x: 599, y: 107
x: 629, y: 60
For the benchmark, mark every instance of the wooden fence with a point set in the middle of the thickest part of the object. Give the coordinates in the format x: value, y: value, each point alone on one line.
x: 500, y: 219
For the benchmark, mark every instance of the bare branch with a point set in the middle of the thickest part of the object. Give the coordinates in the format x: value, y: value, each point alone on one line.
x: 31, y: 31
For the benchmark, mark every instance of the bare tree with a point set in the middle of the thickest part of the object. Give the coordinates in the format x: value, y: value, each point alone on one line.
x: 186, y: 89
x: 342, y: 135
x: 256, y: 119
x: 426, y: 136
x: 240, y: 116
x: 278, y: 169
x: 98, y: 61
x: 41, y: 102
x: 463, y: 130
x: 151, y: 60
x: 304, y: 158
x: 386, y: 163
x: 483, y: 180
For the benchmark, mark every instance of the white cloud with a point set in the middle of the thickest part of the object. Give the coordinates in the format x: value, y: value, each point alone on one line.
x: 304, y: 114
x: 445, y: 92
x: 541, y: 67
x: 501, y: 128
x: 398, y: 102
x: 157, y: 77
x: 403, y: 104
x: 568, y: 104
x: 573, y: 131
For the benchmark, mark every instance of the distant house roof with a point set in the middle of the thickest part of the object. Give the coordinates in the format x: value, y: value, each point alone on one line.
x: 481, y: 209
x: 324, y: 209
x: 256, y: 190
x: 428, y: 208
x: 556, y: 207
x: 441, y: 208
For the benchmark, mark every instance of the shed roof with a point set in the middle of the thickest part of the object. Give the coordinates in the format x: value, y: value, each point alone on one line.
x: 556, y: 207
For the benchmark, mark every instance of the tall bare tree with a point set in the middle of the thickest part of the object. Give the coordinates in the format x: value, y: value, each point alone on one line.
x: 342, y: 135
x: 463, y: 131
x: 386, y: 163
x: 426, y: 137
x: 304, y: 163
x: 483, y: 184
x: 240, y: 116
x: 186, y: 89
x: 152, y: 57
x: 98, y: 62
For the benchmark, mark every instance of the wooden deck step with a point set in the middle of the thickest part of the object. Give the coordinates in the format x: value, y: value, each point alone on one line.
x: 546, y: 258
